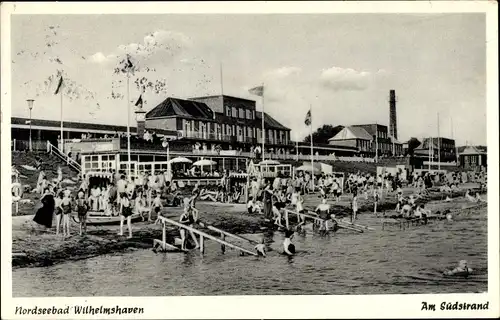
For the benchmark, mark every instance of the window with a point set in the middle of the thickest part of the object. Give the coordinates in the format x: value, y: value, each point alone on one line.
x: 228, y: 130
x: 250, y: 132
x: 234, y: 130
x: 234, y: 112
x: 242, y: 114
x: 228, y: 111
x: 249, y: 114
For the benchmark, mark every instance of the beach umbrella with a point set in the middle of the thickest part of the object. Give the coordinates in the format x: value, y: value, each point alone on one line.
x: 308, y: 168
x: 204, y: 162
x: 180, y: 160
x: 269, y: 162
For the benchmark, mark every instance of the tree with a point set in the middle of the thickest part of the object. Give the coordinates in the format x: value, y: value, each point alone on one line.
x: 322, y: 134
x: 413, y: 143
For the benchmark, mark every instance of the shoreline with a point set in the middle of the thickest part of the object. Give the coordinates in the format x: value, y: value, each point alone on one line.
x: 33, y: 246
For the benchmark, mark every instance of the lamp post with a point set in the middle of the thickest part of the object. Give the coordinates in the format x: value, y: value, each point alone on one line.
x: 30, y: 106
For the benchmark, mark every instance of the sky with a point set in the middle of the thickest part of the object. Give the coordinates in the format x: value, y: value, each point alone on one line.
x: 342, y: 66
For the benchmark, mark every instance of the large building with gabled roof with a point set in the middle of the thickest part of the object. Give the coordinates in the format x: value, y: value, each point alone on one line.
x: 366, y: 138
x: 223, y: 120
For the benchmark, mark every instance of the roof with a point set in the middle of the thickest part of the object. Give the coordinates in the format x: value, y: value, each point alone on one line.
x: 269, y: 121
x: 183, y: 108
x: 352, y: 133
x: 394, y: 140
x: 472, y: 150
x: 78, y: 126
x: 369, y: 127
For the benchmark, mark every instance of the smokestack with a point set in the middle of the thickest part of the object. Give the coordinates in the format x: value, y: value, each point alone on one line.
x: 393, y: 128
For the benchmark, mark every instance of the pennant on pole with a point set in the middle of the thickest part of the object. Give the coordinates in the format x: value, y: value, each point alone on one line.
x: 59, y: 85
x: 139, y: 102
x: 258, y: 91
x: 308, y: 118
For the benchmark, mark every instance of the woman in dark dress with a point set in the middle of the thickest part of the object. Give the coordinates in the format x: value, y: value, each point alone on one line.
x: 267, y: 197
x: 44, y: 215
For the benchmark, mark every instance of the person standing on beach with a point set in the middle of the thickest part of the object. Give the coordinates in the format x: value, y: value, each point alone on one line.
x: 44, y: 215
x: 354, y: 205
x: 65, y: 207
x: 267, y: 198
x: 82, y: 208
x: 58, y: 211
x: 121, y: 186
x: 126, y: 213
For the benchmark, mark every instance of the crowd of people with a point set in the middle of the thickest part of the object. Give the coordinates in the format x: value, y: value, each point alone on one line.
x: 148, y: 194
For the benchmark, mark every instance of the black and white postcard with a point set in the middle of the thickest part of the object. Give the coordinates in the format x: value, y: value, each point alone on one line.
x: 249, y: 160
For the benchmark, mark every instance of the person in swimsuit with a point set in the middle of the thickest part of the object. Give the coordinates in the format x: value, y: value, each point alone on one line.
x: 288, y: 246
x: 187, y: 218
x: 277, y: 214
x: 261, y: 248
x: 184, y: 219
x: 58, y: 210
x: 157, y: 205
x: 82, y: 208
x: 376, y: 197
x: 141, y: 205
x: 354, y: 207
x: 461, y: 270
x: 125, y: 213
x: 323, y: 211
x: 65, y: 207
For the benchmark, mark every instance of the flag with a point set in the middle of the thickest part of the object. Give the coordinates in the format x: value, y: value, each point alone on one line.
x: 139, y: 102
x: 258, y: 91
x: 59, y: 85
x: 308, y: 118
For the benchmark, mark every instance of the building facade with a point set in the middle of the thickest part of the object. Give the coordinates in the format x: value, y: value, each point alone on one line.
x: 227, y: 121
x: 473, y: 158
x: 367, y: 138
x: 440, y: 148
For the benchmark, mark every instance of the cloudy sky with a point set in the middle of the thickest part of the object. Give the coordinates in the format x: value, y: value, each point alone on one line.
x: 341, y: 65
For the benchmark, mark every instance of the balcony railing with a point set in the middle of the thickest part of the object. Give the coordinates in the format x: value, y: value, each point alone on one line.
x: 212, y: 136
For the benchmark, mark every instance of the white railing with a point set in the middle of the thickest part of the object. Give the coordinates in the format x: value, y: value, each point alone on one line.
x: 24, y: 145
x: 70, y: 162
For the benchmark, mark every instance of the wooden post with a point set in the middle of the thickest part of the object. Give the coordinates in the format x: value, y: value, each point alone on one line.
x: 164, y: 236
x: 223, y: 246
x: 202, y: 244
x: 286, y: 219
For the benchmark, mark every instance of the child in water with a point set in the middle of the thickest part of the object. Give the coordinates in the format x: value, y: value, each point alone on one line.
x: 261, y: 248
x: 288, y: 247
x: 461, y: 270
x: 157, y: 205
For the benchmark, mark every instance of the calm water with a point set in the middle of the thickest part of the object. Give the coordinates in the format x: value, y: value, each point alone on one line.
x: 375, y: 262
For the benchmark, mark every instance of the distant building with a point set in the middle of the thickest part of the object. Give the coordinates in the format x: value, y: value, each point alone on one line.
x: 446, y: 148
x: 367, y: 138
x: 50, y: 130
x: 473, y: 157
x: 223, y: 120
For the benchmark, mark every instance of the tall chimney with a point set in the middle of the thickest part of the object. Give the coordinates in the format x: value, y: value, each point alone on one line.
x: 393, y: 128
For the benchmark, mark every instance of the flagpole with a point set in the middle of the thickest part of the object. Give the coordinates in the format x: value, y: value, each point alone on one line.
x: 439, y: 147
x: 263, y: 129
x: 297, y: 146
x: 62, y: 126
x: 453, y: 138
x: 221, y: 81
x: 312, y: 149
x: 376, y: 142
x: 128, y: 124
